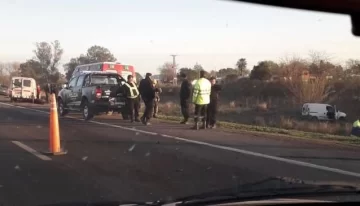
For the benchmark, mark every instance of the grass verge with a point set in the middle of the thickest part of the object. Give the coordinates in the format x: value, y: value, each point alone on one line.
x: 278, y: 131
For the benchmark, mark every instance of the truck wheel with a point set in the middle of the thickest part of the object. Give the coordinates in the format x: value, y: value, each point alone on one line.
x: 87, y: 111
x: 61, y: 108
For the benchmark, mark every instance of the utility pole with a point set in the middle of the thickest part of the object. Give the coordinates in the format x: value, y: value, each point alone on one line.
x: 174, y: 68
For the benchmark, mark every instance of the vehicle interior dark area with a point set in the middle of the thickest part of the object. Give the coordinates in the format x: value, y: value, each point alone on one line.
x: 350, y: 7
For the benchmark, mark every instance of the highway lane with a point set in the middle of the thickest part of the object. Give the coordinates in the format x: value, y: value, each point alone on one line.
x: 316, y: 152
x: 110, y: 163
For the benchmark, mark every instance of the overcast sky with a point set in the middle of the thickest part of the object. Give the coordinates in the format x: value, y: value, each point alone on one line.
x: 144, y: 33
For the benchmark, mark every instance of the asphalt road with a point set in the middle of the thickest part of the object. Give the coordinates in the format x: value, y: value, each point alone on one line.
x: 112, y: 159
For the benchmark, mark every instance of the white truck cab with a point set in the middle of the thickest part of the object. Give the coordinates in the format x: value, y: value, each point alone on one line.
x: 317, y: 111
x: 22, y: 88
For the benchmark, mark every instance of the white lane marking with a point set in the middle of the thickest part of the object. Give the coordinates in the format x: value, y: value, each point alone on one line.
x: 32, y: 151
x: 125, y: 128
x: 35, y: 110
x: 246, y: 152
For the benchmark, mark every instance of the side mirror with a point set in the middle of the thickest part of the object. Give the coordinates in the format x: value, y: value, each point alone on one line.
x: 122, y: 83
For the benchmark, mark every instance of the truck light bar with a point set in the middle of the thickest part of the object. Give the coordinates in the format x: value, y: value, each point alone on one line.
x: 99, y: 72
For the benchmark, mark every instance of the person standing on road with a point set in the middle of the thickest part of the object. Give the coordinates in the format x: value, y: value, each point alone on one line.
x: 132, y: 99
x: 38, y: 90
x: 185, y: 94
x: 47, y: 92
x: 201, y: 99
x: 53, y: 89
x: 147, y: 92
x: 213, y: 106
x: 158, y: 91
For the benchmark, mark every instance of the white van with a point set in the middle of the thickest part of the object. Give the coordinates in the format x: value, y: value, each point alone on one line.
x: 317, y: 111
x: 22, y: 88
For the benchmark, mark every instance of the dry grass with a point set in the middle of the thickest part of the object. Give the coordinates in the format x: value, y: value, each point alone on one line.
x: 335, y: 128
x: 260, y: 115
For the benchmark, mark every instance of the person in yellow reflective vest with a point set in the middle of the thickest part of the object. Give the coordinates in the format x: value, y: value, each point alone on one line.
x: 158, y: 91
x: 201, y: 99
x: 356, y: 128
x: 132, y: 99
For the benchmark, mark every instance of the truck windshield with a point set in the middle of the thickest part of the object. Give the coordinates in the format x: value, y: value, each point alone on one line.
x: 104, y: 79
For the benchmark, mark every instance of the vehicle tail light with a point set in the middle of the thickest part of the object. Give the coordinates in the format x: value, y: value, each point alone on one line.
x: 98, y: 93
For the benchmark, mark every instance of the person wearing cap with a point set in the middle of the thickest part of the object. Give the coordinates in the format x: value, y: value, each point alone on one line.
x: 201, y: 99
x: 132, y: 99
x: 158, y: 91
x: 147, y: 92
x: 185, y: 95
x: 213, y: 106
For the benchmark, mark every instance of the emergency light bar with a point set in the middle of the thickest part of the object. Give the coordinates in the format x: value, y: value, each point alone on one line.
x: 99, y: 72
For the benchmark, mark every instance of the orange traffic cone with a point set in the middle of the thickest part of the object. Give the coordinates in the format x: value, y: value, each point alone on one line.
x: 54, y: 140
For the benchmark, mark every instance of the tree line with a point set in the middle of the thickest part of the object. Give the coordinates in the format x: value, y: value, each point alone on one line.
x: 44, y: 66
x: 167, y: 71
x: 318, y: 64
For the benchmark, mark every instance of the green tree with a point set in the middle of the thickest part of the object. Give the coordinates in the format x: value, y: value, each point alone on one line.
x: 94, y: 54
x: 99, y: 54
x: 198, y: 67
x: 167, y: 72
x: 241, y: 66
x: 44, y: 66
x: 226, y: 71
x: 231, y: 78
x: 262, y: 71
x: 191, y: 74
x: 273, y: 67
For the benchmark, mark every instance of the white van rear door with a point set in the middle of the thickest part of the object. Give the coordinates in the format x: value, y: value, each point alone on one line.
x: 27, y: 88
x: 16, y: 87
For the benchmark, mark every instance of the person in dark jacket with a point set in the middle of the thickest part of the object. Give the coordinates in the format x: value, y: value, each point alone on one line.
x: 47, y: 90
x: 147, y: 92
x: 53, y: 89
x: 132, y: 99
x: 213, y: 106
x: 185, y: 95
x: 158, y: 91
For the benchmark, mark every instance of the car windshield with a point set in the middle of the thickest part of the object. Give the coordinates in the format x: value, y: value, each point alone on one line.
x: 104, y: 79
x: 183, y: 100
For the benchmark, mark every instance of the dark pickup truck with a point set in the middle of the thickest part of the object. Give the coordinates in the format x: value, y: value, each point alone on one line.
x: 92, y: 93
